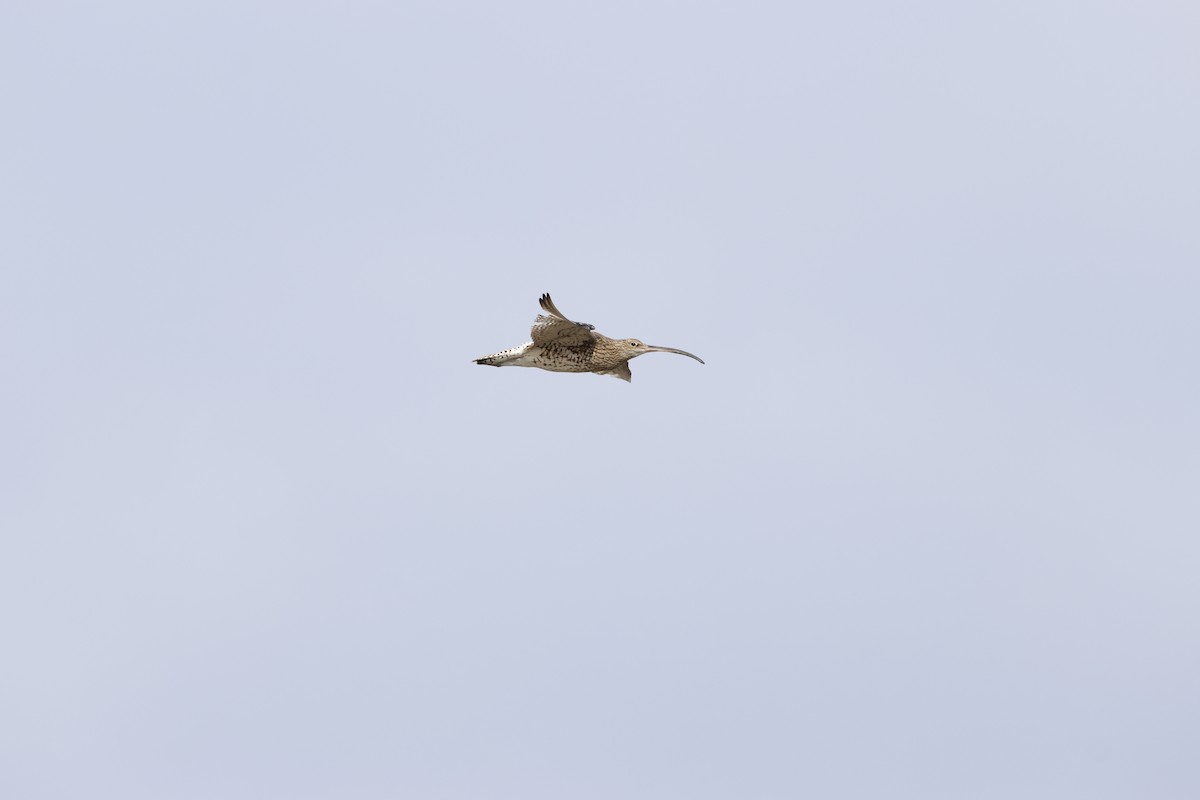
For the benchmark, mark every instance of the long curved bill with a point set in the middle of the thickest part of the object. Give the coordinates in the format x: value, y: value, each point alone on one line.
x: 652, y: 349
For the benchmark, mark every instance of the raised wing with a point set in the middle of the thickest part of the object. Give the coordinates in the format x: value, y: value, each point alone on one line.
x: 559, y: 331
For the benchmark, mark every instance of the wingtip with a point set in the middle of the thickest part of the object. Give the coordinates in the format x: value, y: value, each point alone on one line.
x: 548, y: 306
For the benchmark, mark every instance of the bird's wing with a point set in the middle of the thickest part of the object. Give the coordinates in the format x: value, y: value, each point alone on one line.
x: 548, y: 306
x: 621, y: 371
x: 559, y: 331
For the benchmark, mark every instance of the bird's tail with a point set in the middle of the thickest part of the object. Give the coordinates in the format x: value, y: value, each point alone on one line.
x: 508, y: 356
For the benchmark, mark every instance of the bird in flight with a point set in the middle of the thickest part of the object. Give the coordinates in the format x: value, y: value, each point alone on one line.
x: 561, y: 345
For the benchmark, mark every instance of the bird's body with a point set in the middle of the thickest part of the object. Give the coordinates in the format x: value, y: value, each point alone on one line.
x: 560, y: 345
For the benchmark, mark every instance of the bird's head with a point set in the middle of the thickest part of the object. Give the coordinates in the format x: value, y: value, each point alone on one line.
x: 636, y: 347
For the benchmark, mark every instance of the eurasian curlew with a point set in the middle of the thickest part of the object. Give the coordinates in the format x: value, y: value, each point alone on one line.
x: 560, y: 345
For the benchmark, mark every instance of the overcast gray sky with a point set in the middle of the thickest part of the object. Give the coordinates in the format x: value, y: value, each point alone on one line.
x: 924, y: 526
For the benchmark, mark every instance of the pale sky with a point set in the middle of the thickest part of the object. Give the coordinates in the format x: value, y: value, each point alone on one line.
x: 926, y: 524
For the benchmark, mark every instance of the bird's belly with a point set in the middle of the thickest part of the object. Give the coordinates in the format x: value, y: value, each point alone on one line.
x: 555, y: 360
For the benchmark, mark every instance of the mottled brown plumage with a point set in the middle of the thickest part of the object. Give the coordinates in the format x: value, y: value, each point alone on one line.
x: 561, y: 345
